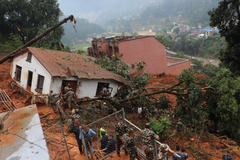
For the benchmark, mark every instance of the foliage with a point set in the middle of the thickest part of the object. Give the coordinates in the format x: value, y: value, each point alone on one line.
x: 190, y: 100
x: 29, y: 19
x: 224, y: 103
x: 114, y: 65
x: 138, y: 80
x: 164, y: 40
x: 194, y: 11
x: 216, y: 99
x: 83, y: 27
x: 10, y: 45
x: 209, y: 70
x: 227, y: 18
x: 209, y: 47
x: 162, y: 102
x: 162, y: 126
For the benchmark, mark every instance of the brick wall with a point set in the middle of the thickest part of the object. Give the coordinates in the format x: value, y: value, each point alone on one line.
x: 147, y: 49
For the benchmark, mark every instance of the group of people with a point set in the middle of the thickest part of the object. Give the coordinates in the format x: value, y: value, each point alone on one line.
x: 179, y: 154
x: 55, y: 100
x: 144, y: 113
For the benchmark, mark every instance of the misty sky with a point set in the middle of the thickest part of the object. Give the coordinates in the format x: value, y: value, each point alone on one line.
x: 100, y: 10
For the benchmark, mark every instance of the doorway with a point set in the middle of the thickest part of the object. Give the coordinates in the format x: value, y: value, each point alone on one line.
x: 29, y: 83
x: 73, y: 85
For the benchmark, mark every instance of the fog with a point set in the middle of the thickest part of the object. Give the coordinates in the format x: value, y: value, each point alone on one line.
x: 100, y: 11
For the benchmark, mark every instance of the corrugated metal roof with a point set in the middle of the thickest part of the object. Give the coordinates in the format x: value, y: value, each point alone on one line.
x: 65, y: 64
x: 22, y: 136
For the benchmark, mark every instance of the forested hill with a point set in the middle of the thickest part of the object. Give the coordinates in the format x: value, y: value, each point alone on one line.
x: 193, y: 10
x: 83, y: 28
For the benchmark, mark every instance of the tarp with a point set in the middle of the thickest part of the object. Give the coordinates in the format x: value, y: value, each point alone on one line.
x: 22, y: 136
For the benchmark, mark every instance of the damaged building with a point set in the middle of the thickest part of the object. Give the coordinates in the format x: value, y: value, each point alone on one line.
x: 140, y: 48
x: 41, y: 70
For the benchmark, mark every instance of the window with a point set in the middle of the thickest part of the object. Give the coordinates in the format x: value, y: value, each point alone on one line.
x: 29, y: 57
x: 18, y: 73
x: 40, y: 82
x: 100, y: 88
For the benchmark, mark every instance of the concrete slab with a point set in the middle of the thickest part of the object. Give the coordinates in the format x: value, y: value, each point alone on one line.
x: 22, y: 136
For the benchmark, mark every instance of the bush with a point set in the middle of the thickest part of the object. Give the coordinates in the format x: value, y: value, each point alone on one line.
x: 162, y: 126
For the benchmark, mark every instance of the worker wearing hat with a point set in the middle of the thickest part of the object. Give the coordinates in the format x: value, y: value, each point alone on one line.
x: 147, y: 140
x: 130, y: 144
x: 111, y: 145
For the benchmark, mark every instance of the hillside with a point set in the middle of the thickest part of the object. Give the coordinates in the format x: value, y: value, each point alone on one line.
x: 194, y: 11
x: 202, y: 145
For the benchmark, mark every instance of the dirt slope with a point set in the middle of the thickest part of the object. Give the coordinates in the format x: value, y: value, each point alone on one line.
x: 198, y: 146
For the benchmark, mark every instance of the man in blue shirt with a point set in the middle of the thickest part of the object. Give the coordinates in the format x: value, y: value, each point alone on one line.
x: 178, y: 154
x: 111, y: 145
x: 227, y: 156
x: 88, y: 131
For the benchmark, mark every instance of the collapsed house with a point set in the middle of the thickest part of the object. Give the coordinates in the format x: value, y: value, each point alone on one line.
x: 140, y: 48
x: 41, y: 70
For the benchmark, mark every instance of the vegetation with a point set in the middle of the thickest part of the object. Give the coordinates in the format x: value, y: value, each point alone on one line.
x: 139, y: 80
x: 209, y: 70
x: 29, y: 19
x: 227, y: 18
x: 161, y: 127
x: 209, y: 47
x: 215, y: 99
x: 194, y: 11
x: 83, y: 27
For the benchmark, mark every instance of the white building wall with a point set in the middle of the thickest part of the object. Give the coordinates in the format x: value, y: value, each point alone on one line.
x: 85, y: 87
x: 36, y: 67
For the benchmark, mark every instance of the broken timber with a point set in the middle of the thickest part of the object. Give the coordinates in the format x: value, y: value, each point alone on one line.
x: 5, y: 99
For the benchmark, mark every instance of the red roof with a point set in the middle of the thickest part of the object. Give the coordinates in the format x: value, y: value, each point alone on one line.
x: 65, y: 64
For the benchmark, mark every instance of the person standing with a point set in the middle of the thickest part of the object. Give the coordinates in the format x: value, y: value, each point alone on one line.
x: 130, y: 144
x: 76, y: 132
x: 179, y: 127
x: 52, y: 100
x: 184, y: 153
x: 120, y: 130
x: 66, y: 88
x: 59, y: 109
x: 70, y: 96
x: 139, y: 112
x: 89, y: 134
x: 177, y: 154
x: 148, y: 137
x: 133, y: 111
x: 227, y: 156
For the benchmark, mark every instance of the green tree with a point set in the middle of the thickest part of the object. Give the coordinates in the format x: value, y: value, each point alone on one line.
x: 190, y: 100
x: 227, y: 18
x: 139, y: 79
x: 31, y: 18
x: 223, y: 103
x: 164, y: 40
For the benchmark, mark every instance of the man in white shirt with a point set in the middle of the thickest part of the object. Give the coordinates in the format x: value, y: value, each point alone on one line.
x: 139, y: 112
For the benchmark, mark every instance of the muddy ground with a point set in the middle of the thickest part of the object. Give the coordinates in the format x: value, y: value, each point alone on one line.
x: 198, y: 146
